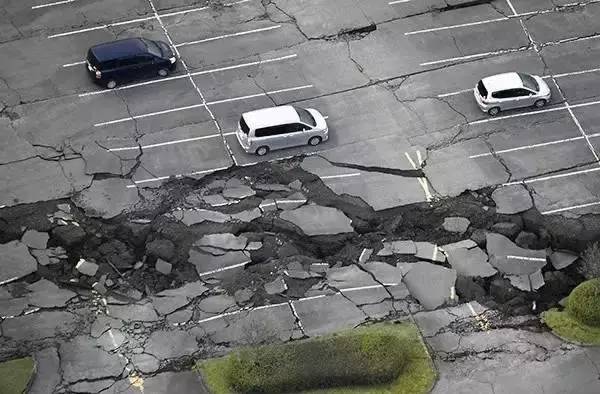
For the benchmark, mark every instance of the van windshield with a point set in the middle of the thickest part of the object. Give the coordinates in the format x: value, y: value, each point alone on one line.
x: 305, y: 117
x: 243, y: 126
x: 153, y: 48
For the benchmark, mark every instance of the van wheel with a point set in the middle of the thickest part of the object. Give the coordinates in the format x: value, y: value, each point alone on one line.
x: 111, y: 84
x: 163, y: 72
x: 539, y: 103
x: 314, y: 141
x: 494, y: 111
x: 262, y: 150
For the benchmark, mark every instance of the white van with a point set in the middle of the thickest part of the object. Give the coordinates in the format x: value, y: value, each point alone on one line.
x: 281, y: 127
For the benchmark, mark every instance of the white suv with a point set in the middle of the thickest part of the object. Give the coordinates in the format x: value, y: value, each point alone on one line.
x: 281, y: 127
x: 511, y: 90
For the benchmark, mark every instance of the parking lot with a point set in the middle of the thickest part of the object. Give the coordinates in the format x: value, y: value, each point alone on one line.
x: 393, y: 78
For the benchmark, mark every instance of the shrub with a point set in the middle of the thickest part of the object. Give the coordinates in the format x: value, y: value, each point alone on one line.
x: 583, y: 303
x: 589, y: 266
x: 360, y: 358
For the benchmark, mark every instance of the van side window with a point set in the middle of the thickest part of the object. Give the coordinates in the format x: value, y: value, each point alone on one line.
x: 294, y: 127
x: 109, y: 65
x: 270, y: 131
x: 128, y: 61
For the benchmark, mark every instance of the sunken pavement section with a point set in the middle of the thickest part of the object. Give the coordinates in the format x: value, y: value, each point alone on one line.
x: 114, y: 295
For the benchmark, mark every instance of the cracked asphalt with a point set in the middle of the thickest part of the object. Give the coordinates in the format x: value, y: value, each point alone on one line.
x: 395, y: 81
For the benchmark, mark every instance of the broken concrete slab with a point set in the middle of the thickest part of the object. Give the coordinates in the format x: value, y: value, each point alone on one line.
x: 169, y: 301
x: 430, y: 284
x: 465, y: 244
x: 364, y: 296
x: 429, y: 251
x: 215, y: 305
x: 456, y: 224
x: 210, y: 265
x: 145, y: 363
x: 349, y: 277
x: 15, y: 261
x: 180, y: 317
x: 529, y: 282
x: 47, y: 374
x: 293, y: 201
x: 397, y: 247
x: 39, y: 325
x: 45, y: 294
x: 277, y: 286
x: 161, y: 248
x: 163, y: 267
x: 107, y: 198
x: 133, y: 312
x: 104, y: 323
x: 271, y: 187
x: 86, y: 267
x: 35, y: 239
x: 111, y: 340
x: 94, y: 386
x: 510, y: 259
x: 365, y: 255
x: 226, y: 241
x: 247, y: 216
x: 384, y: 273
x: 242, y: 296
x: 318, y: 220
x: 508, y: 229
x: 470, y: 262
x: 562, y: 259
x: 81, y: 359
x: 190, y: 217
x: 171, y: 344
x: 268, y: 205
x: 238, y: 192
x: 12, y: 306
x: 328, y: 314
x: 217, y: 200
x: 255, y: 245
x: 512, y: 199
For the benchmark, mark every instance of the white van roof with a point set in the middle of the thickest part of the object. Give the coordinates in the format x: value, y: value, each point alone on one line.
x: 268, y: 117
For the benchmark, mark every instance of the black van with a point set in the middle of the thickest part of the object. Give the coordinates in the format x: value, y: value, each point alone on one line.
x: 115, y: 62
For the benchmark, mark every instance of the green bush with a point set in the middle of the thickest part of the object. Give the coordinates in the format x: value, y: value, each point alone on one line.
x: 583, y: 303
x: 359, y: 358
x: 15, y: 375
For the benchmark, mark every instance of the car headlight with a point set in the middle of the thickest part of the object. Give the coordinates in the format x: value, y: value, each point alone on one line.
x: 172, y: 59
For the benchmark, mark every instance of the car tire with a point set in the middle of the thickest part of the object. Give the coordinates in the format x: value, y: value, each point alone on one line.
x: 494, y: 111
x: 163, y: 72
x: 540, y: 103
x: 111, y: 84
x: 262, y: 150
x: 314, y: 141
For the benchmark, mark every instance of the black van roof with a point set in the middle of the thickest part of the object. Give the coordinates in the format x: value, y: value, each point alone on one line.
x: 119, y: 49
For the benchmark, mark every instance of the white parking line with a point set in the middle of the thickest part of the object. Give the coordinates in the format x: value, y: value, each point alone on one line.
x: 196, y: 73
x: 422, y: 181
x: 340, y: 176
x: 230, y: 267
x: 525, y: 258
x: 434, y: 29
x: 532, y: 146
x: 398, y: 2
x: 168, y: 143
x: 243, y: 33
x: 512, y: 8
x: 496, y: 118
x: 137, y: 20
x: 475, y: 56
x: 162, y: 178
x: 35, y: 7
x: 454, y: 93
x: 550, y: 177
x: 167, y: 111
x: 74, y: 64
x: 590, y: 204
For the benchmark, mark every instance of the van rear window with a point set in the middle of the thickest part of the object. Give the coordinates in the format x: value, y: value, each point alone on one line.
x: 91, y: 58
x: 244, y: 126
x: 482, y: 90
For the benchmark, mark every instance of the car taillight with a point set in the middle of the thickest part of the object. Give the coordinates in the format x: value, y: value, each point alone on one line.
x: 98, y: 74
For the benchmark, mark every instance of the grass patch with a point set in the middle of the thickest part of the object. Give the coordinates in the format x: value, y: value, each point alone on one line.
x: 383, y: 358
x: 567, y: 327
x: 15, y: 375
